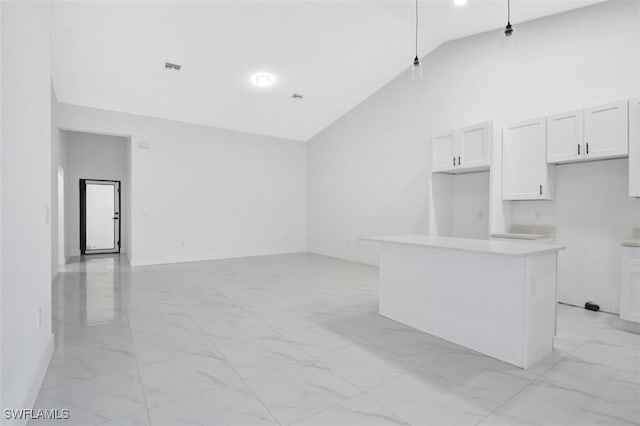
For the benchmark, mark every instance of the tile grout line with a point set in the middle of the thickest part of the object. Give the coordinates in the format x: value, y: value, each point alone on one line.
x: 540, y: 375
x: 227, y: 361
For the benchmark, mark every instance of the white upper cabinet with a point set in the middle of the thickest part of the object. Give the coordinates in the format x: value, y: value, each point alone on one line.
x: 565, y: 137
x: 589, y: 134
x: 606, y: 131
x: 525, y: 173
x: 473, y: 147
x: 634, y: 147
x: 463, y: 150
x: 442, y: 152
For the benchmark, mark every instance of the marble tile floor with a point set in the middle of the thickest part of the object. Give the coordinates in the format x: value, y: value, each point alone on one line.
x: 296, y: 339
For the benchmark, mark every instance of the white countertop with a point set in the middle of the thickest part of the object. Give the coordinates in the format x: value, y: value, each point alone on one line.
x: 631, y: 243
x: 521, y: 236
x: 507, y: 248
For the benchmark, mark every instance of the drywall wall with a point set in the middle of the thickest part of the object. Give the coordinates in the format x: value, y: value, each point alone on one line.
x: 592, y: 213
x: 204, y: 193
x: 27, y: 342
x: 59, y: 159
x: 92, y: 156
x: 369, y: 171
x: 470, y: 205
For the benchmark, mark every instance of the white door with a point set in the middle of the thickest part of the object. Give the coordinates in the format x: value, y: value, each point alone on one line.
x: 524, y: 165
x: 473, y: 146
x: 100, y: 219
x: 606, y: 131
x: 442, y: 152
x: 565, y: 137
x: 634, y: 147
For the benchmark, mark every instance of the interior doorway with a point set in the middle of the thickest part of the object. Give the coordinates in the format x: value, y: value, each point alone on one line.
x: 99, y: 216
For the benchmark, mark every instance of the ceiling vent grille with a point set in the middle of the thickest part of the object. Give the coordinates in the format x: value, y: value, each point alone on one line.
x: 172, y: 67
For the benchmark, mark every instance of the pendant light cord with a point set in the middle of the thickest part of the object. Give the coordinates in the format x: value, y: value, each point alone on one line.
x: 508, y: 11
x: 416, y: 28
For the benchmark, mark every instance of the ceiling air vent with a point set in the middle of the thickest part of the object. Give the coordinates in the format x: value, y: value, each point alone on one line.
x: 172, y: 67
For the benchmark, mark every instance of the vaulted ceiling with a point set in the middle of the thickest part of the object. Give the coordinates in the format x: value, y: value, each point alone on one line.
x: 112, y: 54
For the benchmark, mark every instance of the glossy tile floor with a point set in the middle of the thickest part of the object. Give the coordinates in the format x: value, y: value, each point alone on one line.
x: 296, y: 339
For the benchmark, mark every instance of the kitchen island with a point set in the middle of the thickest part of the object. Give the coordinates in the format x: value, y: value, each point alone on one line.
x: 495, y: 297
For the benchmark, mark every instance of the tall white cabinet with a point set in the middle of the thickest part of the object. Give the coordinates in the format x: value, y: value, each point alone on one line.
x: 634, y: 147
x: 525, y: 173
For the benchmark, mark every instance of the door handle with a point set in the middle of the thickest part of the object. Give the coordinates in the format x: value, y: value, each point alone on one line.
x: 578, y: 149
x: 540, y: 189
x: 454, y: 161
x: 587, y: 148
x: 459, y: 161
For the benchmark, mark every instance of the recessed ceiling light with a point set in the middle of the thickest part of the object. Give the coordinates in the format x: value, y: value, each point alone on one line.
x: 459, y: 2
x: 262, y: 80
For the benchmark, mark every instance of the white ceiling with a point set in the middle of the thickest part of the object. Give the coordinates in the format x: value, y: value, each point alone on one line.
x: 111, y: 55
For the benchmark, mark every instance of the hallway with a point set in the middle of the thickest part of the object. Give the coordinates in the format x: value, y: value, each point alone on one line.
x: 297, y: 339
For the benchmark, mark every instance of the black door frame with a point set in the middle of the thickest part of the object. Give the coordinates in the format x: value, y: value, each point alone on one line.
x: 83, y: 215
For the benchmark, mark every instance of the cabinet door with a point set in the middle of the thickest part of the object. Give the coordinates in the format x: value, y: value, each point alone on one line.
x: 473, y: 146
x: 630, y: 292
x: 524, y: 164
x: 565, y: 137
x: 442, y: 152
x: 606, y: 131
x: 634, y: 147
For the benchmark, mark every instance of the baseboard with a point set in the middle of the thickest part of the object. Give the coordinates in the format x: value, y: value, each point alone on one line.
x: 29, y: 400
x: 342, y: 256
x: 189, y: 259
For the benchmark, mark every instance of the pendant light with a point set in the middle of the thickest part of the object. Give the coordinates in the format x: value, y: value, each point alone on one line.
x: 508, y: 30
x: 509, y: 39
x: 416, y: 68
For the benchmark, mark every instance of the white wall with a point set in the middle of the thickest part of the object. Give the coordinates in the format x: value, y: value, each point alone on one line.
x: 204, y: 193
x: 369, y: 171
x: 59, y: 158
x: 25, y: 168
x: 470, y: 205
x: 592, y: 213
x: 92, y: 156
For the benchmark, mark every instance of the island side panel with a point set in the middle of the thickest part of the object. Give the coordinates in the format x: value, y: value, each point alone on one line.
x: 476, y: 300
x: 541, y: 306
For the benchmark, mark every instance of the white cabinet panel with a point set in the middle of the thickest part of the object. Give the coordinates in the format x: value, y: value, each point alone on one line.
x: 606, y: 131
x: 473, y: 146
x: 565, y: 137
x: 630, y: 285
x: 463, y: 150
x: 634, y: 147
x: 442, y: 152
x: 525, y: 174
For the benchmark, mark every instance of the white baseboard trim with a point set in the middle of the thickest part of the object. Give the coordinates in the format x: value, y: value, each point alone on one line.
x: 189, y: 259
x: 336, y: 255
x: 36, y: 381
